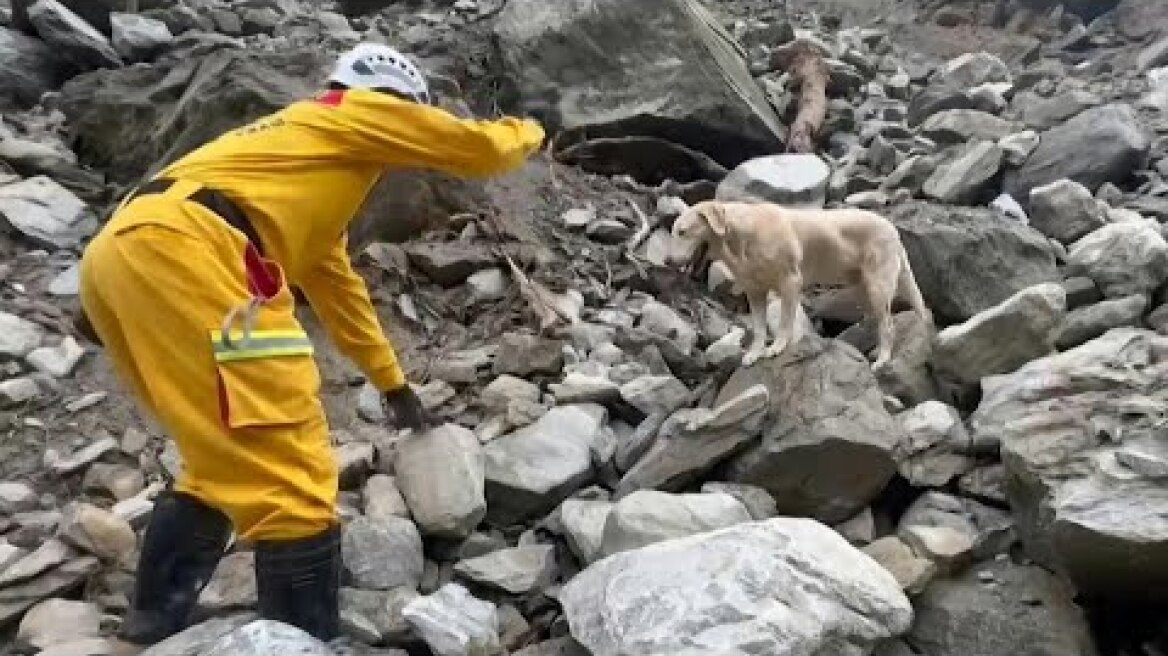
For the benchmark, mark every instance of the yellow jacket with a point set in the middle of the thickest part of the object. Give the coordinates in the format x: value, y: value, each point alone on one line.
x: 302, y: 173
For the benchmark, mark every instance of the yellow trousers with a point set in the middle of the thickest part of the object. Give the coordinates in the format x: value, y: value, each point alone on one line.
x: 156, y: 284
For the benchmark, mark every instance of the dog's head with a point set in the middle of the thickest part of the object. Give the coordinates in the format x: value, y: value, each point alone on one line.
x: 696, y: 228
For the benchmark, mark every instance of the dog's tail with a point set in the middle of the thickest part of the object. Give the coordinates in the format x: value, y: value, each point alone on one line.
x: 907, y: 284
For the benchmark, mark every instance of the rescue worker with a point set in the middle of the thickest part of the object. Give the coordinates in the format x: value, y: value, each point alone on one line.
x: 187, y: 288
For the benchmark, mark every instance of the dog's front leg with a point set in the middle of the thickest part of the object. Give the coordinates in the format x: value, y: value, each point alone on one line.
x: 789, y: 292
x: 758, y: 323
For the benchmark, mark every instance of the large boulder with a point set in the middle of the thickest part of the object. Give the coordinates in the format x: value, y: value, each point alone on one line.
x: 1126, y: 258
x: 442, y: 477
x: 1065, y: 210
x: 664, y: 69
x: 993, y: 608
x: 783, y: 586
x: 966, y: 178
x: 1101, y: 144
x: 796, y: 180
x: 76, y: 40
x: 826, y: 415
x: 1081, y: 435
x: 966, y: 260
x: 529, y: 472
x: 28, y: 69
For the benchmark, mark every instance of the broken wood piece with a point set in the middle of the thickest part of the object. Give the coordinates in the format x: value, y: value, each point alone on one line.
x: 804, y: 60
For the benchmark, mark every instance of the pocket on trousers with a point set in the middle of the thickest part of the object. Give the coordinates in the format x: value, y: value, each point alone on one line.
x: 269, y: 380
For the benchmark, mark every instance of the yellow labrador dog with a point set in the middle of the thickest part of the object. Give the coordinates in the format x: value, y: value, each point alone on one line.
x: 772, y: 248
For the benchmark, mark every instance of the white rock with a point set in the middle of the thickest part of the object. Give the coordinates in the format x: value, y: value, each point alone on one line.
x: 727, y: 351
x: 18, y: 337
x: 498, y: 395
x: 67, y: 283
x: 137, y: 37
x: 383, y: 498
x: 268, y: 638
x: 648, y: 516
x: 1123, y: 259
x: 17, y: 497
x: 578, y: 219
x: 583, y: 522
x: 970, y: 70
x: 441, y: 474
x: 517, y: 570
x: 487, y: 285
x: 797, y: 180
x: 17, y: 391
x: 1006, y: 204
x: 71, y: 37
x: 651, y: 394
x: 453, y: 623
x: 1018, y: 147
x: 660, y: 319
x: 57, y: 361
x: 46, y: 212
x: 783, y: 586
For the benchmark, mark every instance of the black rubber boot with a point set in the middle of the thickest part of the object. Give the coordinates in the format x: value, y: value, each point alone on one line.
x: 180, y: 551
x: 299, y: 582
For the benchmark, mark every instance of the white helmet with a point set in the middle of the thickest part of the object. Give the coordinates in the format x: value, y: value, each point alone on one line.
x: 376, y: 66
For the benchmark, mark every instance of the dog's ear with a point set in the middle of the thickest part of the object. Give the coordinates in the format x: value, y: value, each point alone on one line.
x: 715, y: 216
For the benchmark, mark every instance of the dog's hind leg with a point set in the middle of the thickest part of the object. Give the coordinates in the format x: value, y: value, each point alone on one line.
x: 880, y: 282
x: 908, y: 290
x: 758, y: 325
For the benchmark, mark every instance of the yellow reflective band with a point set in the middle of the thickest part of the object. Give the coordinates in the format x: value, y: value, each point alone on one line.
x: 261, y: 344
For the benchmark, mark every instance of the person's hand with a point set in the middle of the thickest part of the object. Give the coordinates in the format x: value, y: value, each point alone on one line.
x: 406, y: 410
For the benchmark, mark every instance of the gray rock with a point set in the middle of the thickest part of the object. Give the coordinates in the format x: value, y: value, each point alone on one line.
x: 48, y: 556
x: 554, y: 647
x: 583, y: 522
x: 449, y: 263
x: 651, y: 394
x: 529, y: 472
x: 937, y: 445
x: 986, y: 484
x: 519, y: 570
x: 120, y: 482
x: 648, y: 516
x: 608, y: 231
x: 72, y: 37
x: 1063, y: 421
x: 971, y: 69
x: 16, y: 498
x: 28, y: 69
x: 1065, y: 210
x: 46, y: 213
x: 1102, y: 144
x: 505, y: 389
x: 911, y: 571
x: 1081, y: 291
x: 355, y: 460
x: 795, y: 180
x: 826, y: 414
x: 453, y: 623
x: 196, y: 640
x: 383, y: 610
x: 1004, y: 337
x: 581, y: 388
x: 958, y: 126
x: 57, y: 361
x: 692, y: 442
x: 268, y: 638
x: 233, y: 586
x: 738, y: 591
x: 382, y: 554
x: 18, y: 337
x: 694, y: 88
x: 1123, y: 258
x: 966, y: 178
x: 968, y: 260
x: 662, y: 320
x: 441, y: 474
x: 92, y: 452
x: 1023, y: 605
x: 49, y: 582
x: 1157, y: 320
x: 1153, y: 56
x: 973, y: 529
x: 384, y: 499
x: 932, y: 100
x: 83, y: 647
x: 1087, y: 323
x: 67, y: 283
x: 523, y: 355
x: 138, y: 38
x: 1018, y: 147
x: 55, y: 621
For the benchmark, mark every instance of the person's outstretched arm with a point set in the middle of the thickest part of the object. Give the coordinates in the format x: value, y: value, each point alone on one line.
x: 338, y: 295
x: 382, y: 128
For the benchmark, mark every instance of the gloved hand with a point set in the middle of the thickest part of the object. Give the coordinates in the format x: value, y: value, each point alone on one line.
x: 406, y: 409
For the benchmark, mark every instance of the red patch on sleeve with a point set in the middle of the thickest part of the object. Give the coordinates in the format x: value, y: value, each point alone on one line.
x: 331, y: 98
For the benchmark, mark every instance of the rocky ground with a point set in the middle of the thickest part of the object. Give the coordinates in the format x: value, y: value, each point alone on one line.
x: 612, y: 481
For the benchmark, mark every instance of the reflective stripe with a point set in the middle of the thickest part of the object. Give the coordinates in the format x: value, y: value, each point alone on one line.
x: 260, y: 344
